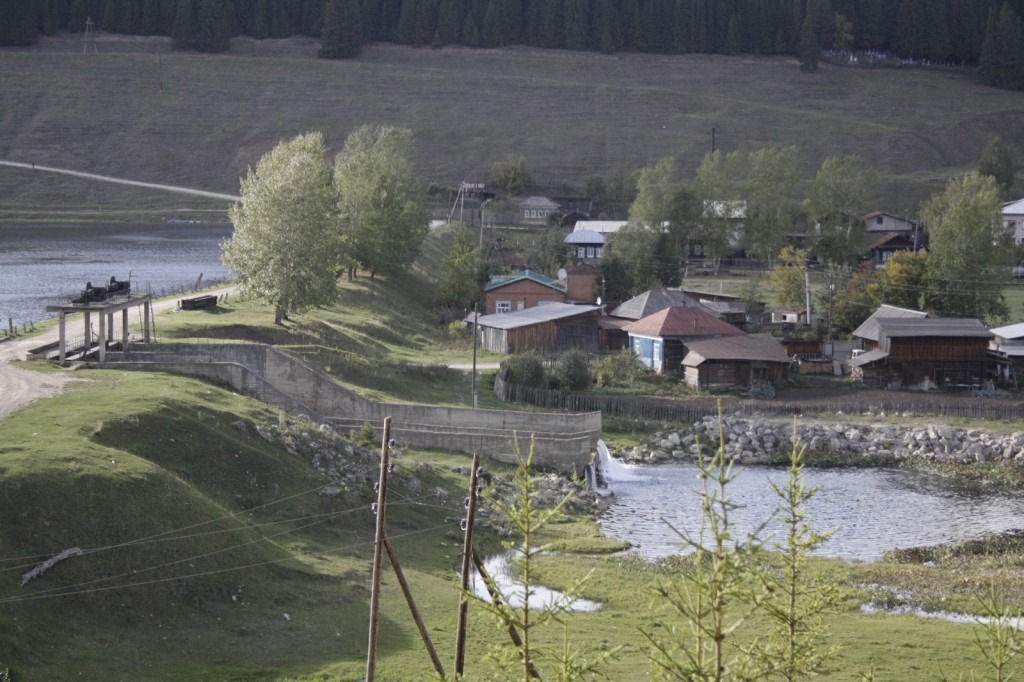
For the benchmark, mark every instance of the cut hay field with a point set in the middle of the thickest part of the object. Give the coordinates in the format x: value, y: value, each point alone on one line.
x: 135, y: 109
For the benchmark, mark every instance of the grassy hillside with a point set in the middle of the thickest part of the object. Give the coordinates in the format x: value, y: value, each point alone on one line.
x: 136, y: 110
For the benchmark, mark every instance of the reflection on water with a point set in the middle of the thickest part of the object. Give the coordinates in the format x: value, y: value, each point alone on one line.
x: 45, y: 264
x: 869, y: 510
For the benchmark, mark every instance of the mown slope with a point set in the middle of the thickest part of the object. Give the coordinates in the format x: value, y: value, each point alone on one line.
x: 212, y: 545
x: 134, y: 109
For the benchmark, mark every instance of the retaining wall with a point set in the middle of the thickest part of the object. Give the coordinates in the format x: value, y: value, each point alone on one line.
x: 564, y: 441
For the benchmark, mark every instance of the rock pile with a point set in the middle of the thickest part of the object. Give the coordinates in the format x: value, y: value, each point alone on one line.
x: 754, y: 441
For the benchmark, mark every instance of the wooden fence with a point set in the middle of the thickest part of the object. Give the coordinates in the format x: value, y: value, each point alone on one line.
x: 666, y: 410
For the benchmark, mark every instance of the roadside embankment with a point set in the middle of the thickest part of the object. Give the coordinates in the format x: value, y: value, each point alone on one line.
x: 757, y: 441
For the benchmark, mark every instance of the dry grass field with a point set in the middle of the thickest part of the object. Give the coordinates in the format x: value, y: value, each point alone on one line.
x: 132, y: 108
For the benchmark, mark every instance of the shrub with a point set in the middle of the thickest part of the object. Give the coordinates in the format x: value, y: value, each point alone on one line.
x: 623, y: 368
x: 573, y: 371
x: 526, y: 369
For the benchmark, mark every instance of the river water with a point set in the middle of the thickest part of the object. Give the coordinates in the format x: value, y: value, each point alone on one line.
x: 869, y: 511
x: 43, y: 264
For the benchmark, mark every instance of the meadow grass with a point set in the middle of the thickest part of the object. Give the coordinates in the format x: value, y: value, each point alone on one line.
x: 137, y: 110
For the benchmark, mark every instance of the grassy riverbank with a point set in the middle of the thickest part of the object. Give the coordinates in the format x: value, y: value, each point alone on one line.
x: 210, y: 552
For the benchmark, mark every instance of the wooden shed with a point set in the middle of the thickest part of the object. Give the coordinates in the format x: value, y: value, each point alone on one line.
x: 739, y: 361
x: 551, y: 328
x: 923, y: 353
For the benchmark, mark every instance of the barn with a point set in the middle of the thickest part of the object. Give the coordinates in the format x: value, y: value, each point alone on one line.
x: 551, y: 328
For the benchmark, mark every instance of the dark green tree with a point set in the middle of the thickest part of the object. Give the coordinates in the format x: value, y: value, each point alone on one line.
x: 17, y: 23
x: 577, y: 24
x: 184, y: 36
x: 449, y: 21
x: 988, y: 63
x: 996, y: 162
x: 1009, y: 50
x: 259, y: 22
x: 810, y: 49
x: 342, y: 34
x: 211, y: 27
x: 490, y: 32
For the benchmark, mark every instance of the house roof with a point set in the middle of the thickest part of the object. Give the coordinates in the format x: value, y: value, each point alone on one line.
x: 538, y: 202
x: 893, y: 240
x: 757, y: 347
x: 907, y: 327
x: 679, y: 321
x: 874, y: 214
x: 600, y: 226
x: 498, y: 282
x: 653, y: 300
x: 1011, y: 331
x: 711, y: 295
x: 584, y: 237
x: 536, y: 315
x: 1014, y: 207
x: 868, y: 329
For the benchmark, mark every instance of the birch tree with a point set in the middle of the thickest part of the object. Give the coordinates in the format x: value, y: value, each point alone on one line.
x: 381, y: 218
x: 282, y: 227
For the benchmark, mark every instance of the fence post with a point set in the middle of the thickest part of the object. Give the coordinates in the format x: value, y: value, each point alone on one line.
x: 467, y: 557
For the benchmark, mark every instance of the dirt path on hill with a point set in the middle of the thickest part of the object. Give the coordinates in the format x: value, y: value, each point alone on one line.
x: 19, y: 387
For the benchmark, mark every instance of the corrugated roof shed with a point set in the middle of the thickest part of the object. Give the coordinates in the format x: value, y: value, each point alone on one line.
x: 758, y: 347
x: 535, y: 315
x: 678, y: 321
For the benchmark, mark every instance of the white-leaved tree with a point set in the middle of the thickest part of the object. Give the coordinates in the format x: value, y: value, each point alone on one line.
x: 381, y: 218
x: 281, y: 248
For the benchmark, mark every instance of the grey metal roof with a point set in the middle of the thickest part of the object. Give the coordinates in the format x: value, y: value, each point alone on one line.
x: 902, y: 327
x: 656, y: 300
x: 759, y: 347
x: 869, y: 327
x: 535, y: 315
x: 584, y: 237
x: 1010, y: 331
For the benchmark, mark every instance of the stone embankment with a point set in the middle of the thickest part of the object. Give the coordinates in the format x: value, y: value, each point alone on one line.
x: 754, y: 441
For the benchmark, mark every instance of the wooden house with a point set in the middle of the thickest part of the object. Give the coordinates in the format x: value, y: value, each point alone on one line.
x: 922, y: 352
x: 639, y: 307
x: 882, y: 249
x: 552, y: 328
x: 737, y: 361
x: 521, y: 290
x: 1013, y: 219
x: 535, y: 210
x: 660, y: 340
x: 1006, y: 354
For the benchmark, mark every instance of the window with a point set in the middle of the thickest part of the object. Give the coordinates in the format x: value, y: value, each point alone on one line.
x: 656, y: 352
x: 878, y: 220
x: 503, y: 306
x: 590, y: 252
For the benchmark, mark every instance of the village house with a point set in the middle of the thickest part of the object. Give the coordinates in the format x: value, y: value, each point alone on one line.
x: 1013, y: 219
x: 1006, y: 354
x: 521, y: 290
x: 661, y: 340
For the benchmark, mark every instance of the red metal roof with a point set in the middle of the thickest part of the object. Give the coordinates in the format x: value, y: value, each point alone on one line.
x: 679, y: 321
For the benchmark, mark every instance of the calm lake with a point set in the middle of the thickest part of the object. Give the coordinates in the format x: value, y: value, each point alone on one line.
x: 869, y: 510
x: 46, y: 263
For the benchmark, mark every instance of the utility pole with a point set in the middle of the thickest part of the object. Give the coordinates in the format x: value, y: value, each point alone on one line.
x: 807, y: 291
x: 467, y: 558
x: 476, y: 335
x: 378, y: 549
x: 85, y: 43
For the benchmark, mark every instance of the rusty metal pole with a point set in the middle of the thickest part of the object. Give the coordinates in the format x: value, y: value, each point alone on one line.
x: 467, y: 557
x: 424, y: 635
x: 378, y: 547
